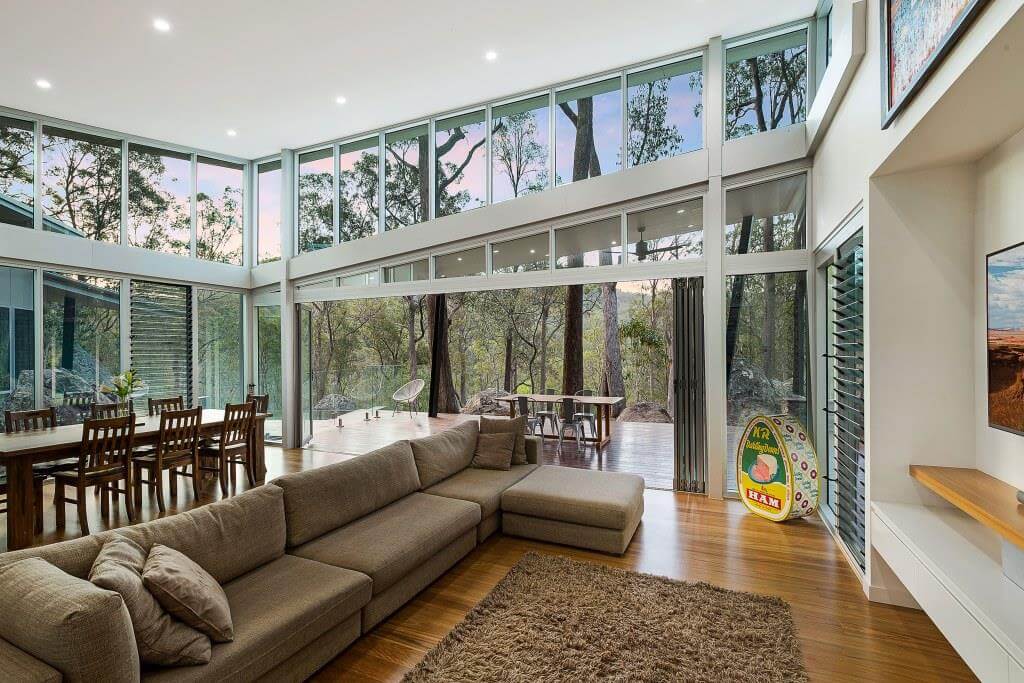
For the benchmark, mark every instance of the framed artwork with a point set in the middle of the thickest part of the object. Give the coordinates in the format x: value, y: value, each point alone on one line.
x: 1004, y: 293
x: 915, y: 36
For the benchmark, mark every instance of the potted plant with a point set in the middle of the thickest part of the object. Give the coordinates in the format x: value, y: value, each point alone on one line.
x: 124, y: 385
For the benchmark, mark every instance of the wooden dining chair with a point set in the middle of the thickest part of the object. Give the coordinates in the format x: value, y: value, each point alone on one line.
x: 158, y: 405
x: 232, y: 446
x: 100, y: 411
x: 104, y: 460
x: 177, y: 449
x: 261, y: 402
x: 31, y: 420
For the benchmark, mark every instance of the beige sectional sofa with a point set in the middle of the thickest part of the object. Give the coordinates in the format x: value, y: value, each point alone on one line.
x: 308, y: 562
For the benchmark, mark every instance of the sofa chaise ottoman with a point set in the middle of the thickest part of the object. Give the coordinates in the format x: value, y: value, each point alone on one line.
x: 583, y: 508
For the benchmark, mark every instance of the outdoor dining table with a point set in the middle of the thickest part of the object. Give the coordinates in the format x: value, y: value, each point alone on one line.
x: 19, y: 450
x: 604, y: 405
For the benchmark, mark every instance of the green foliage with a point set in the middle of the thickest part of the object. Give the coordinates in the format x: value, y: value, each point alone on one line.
x: 650, y: 137
x: 157, y: 219
x: 219, y: 226
x: 517, y: 153
x: 764, y: 92
x: 82, y: 186
x: 359, y: 199
x: 316, y: 210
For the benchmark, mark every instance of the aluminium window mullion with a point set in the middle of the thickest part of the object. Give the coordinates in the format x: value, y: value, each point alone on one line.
x: 37, y: 176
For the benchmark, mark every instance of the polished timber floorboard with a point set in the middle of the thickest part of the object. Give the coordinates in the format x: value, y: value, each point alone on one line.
x: 844, y: 637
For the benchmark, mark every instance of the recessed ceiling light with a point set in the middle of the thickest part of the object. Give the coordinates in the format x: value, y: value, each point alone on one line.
x: 496, y: 251
x: 161, y: 25
x: 614, y: 243
x: 232, y: 132
x: 681, y: 211
x: 43, y: 84
x: 490, y: 55
x: 458, y: 258
x: 533, y: 251
x: 340, y: 99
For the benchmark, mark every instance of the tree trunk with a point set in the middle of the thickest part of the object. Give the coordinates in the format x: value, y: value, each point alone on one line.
x: 544, y: 312
x: 613, y: 384
x: 770, y: 305
x: 572, y: 366
x: 736, y: 300
x: 423, y: 163
x: 799, y: 326
x: 410, y: 324
x: 447, y: 399
x: 508, y: 360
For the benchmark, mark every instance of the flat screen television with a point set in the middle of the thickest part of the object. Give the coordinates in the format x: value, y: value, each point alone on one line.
x: 1004, y: 272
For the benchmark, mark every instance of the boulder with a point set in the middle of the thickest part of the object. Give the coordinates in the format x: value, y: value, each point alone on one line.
x: 331, y: 405
x: 485, y: 403
x: 644, y: 411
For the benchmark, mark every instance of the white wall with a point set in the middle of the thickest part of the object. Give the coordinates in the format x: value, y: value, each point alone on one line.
x: 920, y: 327
x: 999, y: 221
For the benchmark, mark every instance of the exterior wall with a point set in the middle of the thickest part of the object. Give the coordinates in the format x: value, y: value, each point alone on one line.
x: 1000, y: 207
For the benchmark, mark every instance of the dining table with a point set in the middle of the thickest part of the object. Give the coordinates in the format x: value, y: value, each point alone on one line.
x: 20, y: 450
x: 603, y: 404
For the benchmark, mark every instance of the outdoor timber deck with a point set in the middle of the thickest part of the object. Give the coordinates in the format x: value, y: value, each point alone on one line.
x: 636, y: 447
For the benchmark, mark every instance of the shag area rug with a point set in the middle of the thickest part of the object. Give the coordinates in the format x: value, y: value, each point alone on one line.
x: 556, y: 619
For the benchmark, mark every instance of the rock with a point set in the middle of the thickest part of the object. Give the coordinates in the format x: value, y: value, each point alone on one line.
x: 331, y: 405
x: 644, y: 411
x: 486, y: 403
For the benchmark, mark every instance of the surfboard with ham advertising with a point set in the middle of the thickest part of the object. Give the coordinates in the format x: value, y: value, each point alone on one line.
x: 777, y: 468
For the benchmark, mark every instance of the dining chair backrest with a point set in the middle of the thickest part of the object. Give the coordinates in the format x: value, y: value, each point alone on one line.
x: 179, y: 432
x: 237, y: 424
x: 104, y: 410
x: 106, y: 444
x: 261, y: 401
x: 29, y: 420
x: 586, y: 407
x: 568, y: 407
x: 79, y: 399
x: 158, y: 405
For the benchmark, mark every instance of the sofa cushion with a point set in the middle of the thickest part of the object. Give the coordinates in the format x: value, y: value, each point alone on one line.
x: 501, y: 425
x: 483, y: 487
x: 389, y: 543
x: 227, y: 538
x: 77, y: 628
x: 589, y: 497
x: 74, y: 557
x: 441, y: 455
x: 160, y: 638
x: 18, y: 665
x: 188, y: 592
x: 323, y: 499
x: 278, y: 609
x: 493, y: 451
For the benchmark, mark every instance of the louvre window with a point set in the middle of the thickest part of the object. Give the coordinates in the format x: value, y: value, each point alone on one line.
x: 162, y: 338
x: 846, y: 393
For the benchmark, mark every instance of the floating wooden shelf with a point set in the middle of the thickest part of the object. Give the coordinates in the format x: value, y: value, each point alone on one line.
x: 985, y: 498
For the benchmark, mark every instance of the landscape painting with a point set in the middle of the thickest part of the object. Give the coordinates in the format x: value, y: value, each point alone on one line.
x: 1005, y: 273
x: 916, y: 34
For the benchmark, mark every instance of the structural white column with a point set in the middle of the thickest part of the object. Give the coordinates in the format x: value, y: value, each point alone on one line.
x: 714, y: 281
x: 291, y: 399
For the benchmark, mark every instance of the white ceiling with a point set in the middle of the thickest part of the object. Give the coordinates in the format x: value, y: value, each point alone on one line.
x: 272, y: 70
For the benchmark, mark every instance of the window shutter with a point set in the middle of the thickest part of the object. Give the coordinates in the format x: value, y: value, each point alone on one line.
x: 161, y: 336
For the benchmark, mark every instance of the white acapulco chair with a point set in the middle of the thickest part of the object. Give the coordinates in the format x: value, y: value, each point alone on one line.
x: 408, y: 395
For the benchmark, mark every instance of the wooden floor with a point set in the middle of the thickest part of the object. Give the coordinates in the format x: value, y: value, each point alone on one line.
x: 637, y: 447
x: 843, y: 636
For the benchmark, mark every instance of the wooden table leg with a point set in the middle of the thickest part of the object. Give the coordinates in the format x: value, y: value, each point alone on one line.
x: 607, y: 424
x: 600, y: 425
x: 259, y: 459
x: 20, y: 504
x: 512, y: 410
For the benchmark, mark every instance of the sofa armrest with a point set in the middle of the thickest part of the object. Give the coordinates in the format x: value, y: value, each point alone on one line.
x: 18, y: 665
x: 534, y: 444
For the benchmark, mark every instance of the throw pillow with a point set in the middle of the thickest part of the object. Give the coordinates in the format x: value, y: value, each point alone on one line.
x: 494, y: 451
x: 188, y: 592
x: 501, y: 425
x: 74, y: 626
x: 160, y: 639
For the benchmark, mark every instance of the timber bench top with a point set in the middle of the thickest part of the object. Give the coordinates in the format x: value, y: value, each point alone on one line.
x: 989, y: 500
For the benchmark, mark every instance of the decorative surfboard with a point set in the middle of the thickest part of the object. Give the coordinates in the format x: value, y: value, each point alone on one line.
x: 777, y: 469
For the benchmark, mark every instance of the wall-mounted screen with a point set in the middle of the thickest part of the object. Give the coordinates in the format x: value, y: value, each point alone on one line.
x: 1005, y: 290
